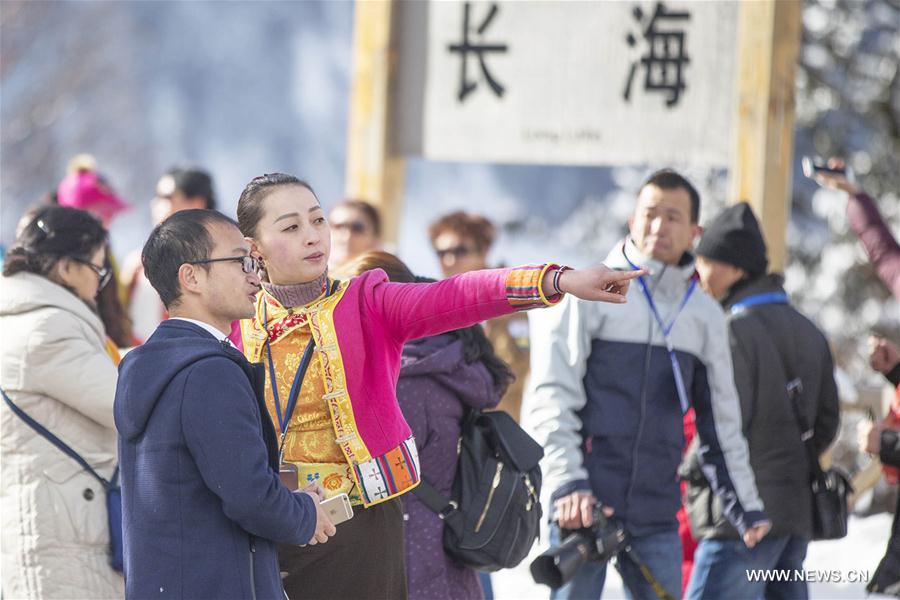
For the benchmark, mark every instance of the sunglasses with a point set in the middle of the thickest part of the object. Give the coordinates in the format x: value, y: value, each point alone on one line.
x: 455, y: 251
x: 104, y: 274
x: 355, y: 227
x: 249, y: 264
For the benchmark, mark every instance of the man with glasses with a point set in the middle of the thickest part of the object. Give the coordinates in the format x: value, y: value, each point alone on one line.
x: 203, y: 506
x: 355, y: 230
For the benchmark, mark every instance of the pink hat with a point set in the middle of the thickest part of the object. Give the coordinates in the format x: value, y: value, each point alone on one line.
x: 86, y: 190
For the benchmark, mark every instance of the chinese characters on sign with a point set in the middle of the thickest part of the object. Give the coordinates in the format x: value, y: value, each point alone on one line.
x: 464, y: 47
x: 663, y: 63
x: 666, y: 54
x: 554, y: 82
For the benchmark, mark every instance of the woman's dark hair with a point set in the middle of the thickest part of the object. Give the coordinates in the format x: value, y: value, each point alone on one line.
x: 194, y: 182
x: 115, y: 319
x: 476, y: 346
x: 396, y: 269
x: 250, y: 204
x: 55, y: 232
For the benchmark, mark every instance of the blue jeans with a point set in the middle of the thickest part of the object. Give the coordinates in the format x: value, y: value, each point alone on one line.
x: 486, y: 587
x: 661, y: 552
x: 721, y: 565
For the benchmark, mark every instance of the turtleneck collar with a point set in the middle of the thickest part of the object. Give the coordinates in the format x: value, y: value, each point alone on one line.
x: 299, y: 294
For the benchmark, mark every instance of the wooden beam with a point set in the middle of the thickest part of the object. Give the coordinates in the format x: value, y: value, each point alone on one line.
x: 373, y: 173
x: 769, y: 44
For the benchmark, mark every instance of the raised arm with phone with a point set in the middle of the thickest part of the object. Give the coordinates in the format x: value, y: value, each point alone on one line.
x: 862, y: 217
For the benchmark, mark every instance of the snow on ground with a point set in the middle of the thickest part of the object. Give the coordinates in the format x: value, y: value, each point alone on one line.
x: 860, y: 551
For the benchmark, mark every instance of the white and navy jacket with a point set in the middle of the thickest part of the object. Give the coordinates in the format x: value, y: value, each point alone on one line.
x: 602, y: 399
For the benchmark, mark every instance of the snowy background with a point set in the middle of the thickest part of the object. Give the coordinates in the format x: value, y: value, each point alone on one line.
x: 859, y: 552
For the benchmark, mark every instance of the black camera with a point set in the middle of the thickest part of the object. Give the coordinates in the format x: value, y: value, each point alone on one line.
x: 601, y: 541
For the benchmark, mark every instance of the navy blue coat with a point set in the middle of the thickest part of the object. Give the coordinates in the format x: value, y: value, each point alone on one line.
x: 202, y: 502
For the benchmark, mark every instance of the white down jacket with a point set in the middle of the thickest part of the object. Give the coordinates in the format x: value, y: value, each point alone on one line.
x: 55, y: 368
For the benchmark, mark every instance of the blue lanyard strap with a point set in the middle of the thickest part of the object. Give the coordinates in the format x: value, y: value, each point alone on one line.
x: 108, y: 485
x: 285, y: 418
x: 666, y: 330
x: 757, y: 299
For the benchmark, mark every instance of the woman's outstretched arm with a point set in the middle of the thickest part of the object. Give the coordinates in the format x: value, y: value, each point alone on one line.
x: 413, y: 310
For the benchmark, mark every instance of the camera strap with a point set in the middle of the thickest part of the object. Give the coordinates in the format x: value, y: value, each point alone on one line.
x: 658, y: 588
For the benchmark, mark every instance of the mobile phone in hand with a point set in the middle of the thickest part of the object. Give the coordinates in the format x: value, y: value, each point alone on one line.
x: 814, y: 166
x: 289, y: 476
x: 338, y: 508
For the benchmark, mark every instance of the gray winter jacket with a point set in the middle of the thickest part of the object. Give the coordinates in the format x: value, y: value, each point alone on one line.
x: 771, y: 344
x: 602, y: 398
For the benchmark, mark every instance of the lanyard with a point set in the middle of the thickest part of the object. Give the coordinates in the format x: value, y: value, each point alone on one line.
x: 757, y: 299
x: 284, y: 419
x: 666, y: 330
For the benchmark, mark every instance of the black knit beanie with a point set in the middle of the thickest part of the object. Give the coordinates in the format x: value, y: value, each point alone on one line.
x: 734, y: 237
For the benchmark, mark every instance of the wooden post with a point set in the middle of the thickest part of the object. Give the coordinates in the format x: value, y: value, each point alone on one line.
x: 373, y: 173
x: 769, y: 44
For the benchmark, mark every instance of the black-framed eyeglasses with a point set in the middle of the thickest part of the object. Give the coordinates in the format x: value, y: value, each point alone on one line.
x: 249, y: 264
x: 355, y: 227
x: 456, y: 251
x: 104, y: 274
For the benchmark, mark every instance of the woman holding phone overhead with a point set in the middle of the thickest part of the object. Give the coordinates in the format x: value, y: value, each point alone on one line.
x: 332, y: 355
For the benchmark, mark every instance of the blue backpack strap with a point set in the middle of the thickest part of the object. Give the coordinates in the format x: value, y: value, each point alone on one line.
x: 59, y: 443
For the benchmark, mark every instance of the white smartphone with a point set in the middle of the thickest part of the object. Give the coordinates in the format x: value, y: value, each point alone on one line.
x: 813, y: 166
x: 338, y: 508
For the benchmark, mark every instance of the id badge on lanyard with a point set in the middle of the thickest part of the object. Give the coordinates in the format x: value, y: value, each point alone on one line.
x: 288, y: 472
x: 666, y: 330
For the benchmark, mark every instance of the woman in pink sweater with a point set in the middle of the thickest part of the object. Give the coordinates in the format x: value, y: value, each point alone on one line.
x: 343, y: 428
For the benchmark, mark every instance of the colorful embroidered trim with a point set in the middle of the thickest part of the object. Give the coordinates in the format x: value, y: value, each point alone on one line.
x: 335, y: 478
x: 390, y: 474
x: 523, y: 287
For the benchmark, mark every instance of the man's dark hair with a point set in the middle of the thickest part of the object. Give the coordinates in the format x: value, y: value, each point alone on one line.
x: 182, y: 238
x: 668, y: 179
x: 193, y: 182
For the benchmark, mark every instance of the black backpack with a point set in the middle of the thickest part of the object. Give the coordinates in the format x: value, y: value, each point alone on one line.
x: 494, y: 515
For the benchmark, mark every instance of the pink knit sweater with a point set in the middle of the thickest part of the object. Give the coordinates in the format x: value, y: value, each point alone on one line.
x: 360, y: 331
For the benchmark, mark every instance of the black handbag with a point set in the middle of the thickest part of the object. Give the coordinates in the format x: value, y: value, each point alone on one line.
x: 494, y: 515
x: 830, y: 488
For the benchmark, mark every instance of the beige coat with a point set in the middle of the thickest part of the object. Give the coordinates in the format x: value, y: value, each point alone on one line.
x: 53, y: 514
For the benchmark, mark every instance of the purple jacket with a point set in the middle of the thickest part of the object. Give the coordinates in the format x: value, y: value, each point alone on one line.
x: 434, y: 387
x: 880, y: 245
